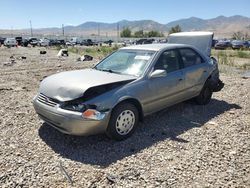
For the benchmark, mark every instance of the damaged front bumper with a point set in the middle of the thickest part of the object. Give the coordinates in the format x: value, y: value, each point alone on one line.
x: 70, y: 122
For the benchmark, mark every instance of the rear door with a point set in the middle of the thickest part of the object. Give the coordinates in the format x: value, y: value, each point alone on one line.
x: 195, y: 71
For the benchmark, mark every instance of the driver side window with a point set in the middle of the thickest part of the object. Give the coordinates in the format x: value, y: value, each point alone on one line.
x: 168, y: 61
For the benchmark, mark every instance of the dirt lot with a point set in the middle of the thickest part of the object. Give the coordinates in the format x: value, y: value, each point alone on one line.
x: 183, y: 146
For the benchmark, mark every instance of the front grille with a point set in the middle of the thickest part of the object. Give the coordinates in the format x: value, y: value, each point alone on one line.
x: 46, y: 100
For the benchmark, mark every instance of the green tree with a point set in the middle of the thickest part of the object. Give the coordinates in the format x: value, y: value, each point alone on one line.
x: 139, y: 34
x: 154, y: 34
x: 126, y: 32
x: 175, y: 29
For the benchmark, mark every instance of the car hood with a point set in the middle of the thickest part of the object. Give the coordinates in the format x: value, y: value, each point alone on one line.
x: 200, y: 40
x: 70, y: 85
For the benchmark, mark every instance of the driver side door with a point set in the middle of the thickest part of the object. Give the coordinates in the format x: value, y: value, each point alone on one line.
x: 165, y: 90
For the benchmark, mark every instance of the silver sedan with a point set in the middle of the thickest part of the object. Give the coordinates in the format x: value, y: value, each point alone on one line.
x: 127, y: 85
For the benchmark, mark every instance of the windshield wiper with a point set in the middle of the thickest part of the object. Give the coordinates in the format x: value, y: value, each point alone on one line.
x: 109, y: 70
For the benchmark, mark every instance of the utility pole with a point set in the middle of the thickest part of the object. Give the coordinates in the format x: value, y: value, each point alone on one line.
x: 118, y: 31
x: 31, y: 31
x: 62, y: 30
x: 11, y: 31
x: 98, y: 30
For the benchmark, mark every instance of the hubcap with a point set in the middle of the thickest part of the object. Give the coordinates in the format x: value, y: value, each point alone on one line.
x: 125, y: 122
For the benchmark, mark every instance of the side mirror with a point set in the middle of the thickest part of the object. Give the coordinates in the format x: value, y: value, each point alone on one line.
x: 158, y: 73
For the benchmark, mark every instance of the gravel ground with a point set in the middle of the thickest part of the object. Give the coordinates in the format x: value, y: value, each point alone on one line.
x: 183, y: 146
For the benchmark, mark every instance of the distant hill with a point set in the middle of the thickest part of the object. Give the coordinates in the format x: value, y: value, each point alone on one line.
x: 221, y: 26
x: 146, y: 25
x: 189, y: 24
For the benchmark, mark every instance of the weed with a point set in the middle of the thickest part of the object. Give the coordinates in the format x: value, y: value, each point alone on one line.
x: 58, y: 48
x: 224, y: 59
x: 242, y: 54
x: 244, y: 66
x: 73, y: 50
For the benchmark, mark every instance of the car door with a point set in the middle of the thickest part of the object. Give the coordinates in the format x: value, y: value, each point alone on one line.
x: 195, y: 71
x: 165, y: 90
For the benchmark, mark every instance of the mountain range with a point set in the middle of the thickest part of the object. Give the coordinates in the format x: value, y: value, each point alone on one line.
x: 222, y: 26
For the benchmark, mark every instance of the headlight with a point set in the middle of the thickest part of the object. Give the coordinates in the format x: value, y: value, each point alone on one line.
x: 74, y: 107
x: 88, y: 111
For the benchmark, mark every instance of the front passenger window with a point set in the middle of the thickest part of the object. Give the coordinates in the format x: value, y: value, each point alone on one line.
x: 168, y: 61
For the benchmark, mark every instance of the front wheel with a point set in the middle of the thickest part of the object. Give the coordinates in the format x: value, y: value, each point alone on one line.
x: 123, y: 121
x: 205, y: 95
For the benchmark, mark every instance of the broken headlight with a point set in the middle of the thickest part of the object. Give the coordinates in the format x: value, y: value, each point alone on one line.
x: 88, y: 111
x: 74, y: 107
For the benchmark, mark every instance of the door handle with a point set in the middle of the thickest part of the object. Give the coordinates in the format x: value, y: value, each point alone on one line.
x: 180, y: 79
x: 204, y: 71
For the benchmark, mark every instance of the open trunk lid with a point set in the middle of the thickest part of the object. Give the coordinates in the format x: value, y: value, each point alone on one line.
x: 198, y: 39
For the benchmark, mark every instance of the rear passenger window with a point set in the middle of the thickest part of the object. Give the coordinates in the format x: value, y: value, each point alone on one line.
x: 168, y: 61
x: 190, y: 57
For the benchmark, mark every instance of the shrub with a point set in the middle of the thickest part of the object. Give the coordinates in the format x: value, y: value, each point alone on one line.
x: 242, y: 54
x: 73, y: 50
x: 126, y: 32
x: 224, y: 59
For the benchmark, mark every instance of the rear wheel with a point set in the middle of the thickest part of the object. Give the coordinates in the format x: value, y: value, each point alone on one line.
x: 205, y: 95
x: 123, y: 121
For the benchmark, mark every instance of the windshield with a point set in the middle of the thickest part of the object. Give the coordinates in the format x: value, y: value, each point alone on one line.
x: 126, y: 62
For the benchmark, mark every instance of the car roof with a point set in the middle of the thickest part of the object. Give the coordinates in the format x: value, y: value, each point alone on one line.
x: 155, y: 47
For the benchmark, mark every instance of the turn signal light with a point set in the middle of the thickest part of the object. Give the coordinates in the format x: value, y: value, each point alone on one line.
x: 93, y: 114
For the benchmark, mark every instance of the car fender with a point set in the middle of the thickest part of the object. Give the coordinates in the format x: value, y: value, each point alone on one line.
x: 109, y: 100
x: 126, y: 98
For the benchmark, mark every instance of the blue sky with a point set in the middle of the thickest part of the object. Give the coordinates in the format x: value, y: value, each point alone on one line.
x: 52, y: 13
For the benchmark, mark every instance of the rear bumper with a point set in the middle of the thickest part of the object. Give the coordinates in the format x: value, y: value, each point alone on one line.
x: 70, y: 122
x: 214, y: 82
x: 217, y: 86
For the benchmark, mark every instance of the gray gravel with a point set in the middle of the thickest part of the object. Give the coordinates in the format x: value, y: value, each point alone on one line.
x: 183, y: 146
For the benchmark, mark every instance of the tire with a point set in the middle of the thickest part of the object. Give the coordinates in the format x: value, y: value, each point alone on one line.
x: 123, y: 121
x: 205, y: 95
